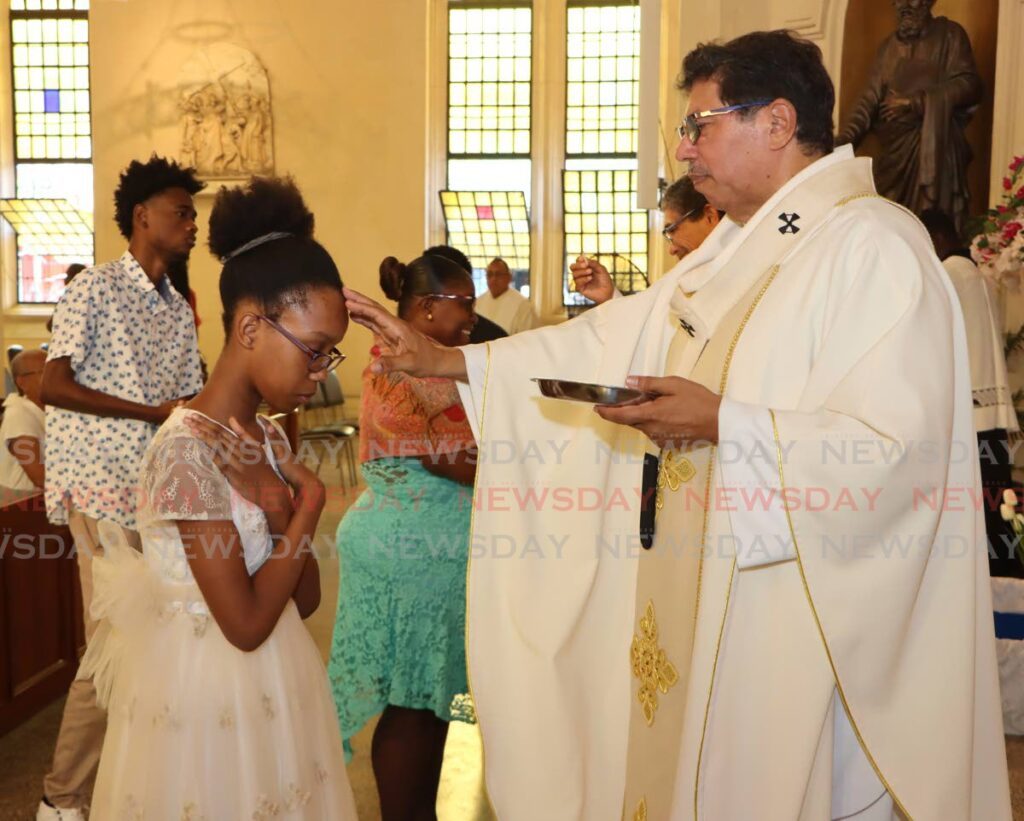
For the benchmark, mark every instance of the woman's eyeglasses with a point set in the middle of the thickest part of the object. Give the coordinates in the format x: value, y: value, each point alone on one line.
x: 670, y: 229
x: 690, y: 129
x: 318, y: 362
x: 466, y: 301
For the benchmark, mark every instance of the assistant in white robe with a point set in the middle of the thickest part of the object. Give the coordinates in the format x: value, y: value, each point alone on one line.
x: 511, y: 311
x: 979, y: 299
x: 815, y: 625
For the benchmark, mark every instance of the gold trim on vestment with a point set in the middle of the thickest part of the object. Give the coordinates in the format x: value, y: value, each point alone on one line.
x: 732, y: 570
x: 641, y: 811
x: 651, y: 665
x: 469, y: 560
x: 821, y: 632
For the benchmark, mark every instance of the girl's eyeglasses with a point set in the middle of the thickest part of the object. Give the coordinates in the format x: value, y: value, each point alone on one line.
x: 318, y: 362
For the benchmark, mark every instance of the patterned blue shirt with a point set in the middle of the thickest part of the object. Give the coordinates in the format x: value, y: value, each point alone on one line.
x: 129, y: 339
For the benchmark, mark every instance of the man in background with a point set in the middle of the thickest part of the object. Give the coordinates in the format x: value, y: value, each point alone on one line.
x: 503, y: 304
x: 24, y: 425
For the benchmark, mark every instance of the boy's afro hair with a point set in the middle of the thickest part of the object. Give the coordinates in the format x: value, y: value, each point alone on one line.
x: 140, y: 181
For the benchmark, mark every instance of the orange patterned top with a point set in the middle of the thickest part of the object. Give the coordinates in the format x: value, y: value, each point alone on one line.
x: 403, y: 415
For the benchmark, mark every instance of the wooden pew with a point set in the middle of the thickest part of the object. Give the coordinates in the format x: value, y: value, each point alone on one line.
x: 41, y: 630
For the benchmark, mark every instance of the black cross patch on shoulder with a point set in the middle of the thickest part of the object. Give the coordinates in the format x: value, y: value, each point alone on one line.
x: 789, y: 223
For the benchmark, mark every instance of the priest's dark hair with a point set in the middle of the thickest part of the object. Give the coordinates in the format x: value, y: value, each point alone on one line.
x: 140, y: 181
x: 282, y: 262
x: 428, y: 274
x: 768, y: 65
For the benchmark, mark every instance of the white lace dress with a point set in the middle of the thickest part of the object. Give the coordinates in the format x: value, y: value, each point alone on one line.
x: 197, y: 728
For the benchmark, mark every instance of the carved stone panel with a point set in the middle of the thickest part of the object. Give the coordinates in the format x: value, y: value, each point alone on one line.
x: 226, y: 123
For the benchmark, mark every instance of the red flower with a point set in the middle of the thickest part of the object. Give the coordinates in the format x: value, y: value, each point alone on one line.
x: 1010, y: 230
x: 1007, y: 184
x: 1020, y: 193
x: 1002, y: 209
x: 1016, y: 164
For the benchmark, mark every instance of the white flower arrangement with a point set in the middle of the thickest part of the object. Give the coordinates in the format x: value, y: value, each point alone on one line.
x: 1008, y: 510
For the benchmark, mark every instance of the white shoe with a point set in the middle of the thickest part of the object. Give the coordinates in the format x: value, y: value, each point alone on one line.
x: 48, y: 813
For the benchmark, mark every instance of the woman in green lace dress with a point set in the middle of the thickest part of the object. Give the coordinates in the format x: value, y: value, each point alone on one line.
x: 399, y: 635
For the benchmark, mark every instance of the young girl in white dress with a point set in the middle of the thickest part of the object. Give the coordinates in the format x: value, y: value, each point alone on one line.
x: 217, y: 697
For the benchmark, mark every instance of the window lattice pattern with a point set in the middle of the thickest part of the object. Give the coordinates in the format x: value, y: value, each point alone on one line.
x: 52, y: 227
x: 51, y: 234
x: 51, y: 212
x: 488, y: 224
x: 50, y: 78
x: 603, y: 80
x: 489, y: 75
x: 49, y: 5
x: 602, y: 221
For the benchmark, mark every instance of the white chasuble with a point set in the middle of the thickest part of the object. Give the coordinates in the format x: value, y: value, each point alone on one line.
x: 668, y: 579
x: 843, y: 648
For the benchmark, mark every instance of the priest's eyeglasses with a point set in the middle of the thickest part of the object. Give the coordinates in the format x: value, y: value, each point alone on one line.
x: 690, y: 129
x: 318, y: 362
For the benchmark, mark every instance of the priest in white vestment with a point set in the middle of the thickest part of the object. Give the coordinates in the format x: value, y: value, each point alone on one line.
x: 503, y: 304
x: 810, y: 634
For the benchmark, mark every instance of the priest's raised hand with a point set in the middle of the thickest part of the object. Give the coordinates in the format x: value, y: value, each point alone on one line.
x: 402, y: 347
x: 683, y: 411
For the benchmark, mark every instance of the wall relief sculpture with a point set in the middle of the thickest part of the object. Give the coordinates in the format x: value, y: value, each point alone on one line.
x: 226, y: 124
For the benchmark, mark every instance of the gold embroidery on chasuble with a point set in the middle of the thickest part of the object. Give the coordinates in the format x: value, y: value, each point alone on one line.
x: 669, y: 580
x: 651, y: 665
x: 641, y: 811
x: 673, y: 472
x: 665, y: 610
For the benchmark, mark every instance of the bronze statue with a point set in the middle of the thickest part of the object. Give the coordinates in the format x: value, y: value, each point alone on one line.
x: 921, y: 94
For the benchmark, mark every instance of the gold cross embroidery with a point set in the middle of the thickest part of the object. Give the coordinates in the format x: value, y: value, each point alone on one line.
x: 651, y: 665
x: 673, y: 472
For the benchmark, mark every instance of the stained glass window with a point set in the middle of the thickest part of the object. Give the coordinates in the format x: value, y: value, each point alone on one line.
x: 488, y: 224
x: 52, y: 137
x: 52, y: 233
x: 602, y: 221
x: 602, y: 80
x: 602, y: 107
x: 47, y: 226
x: 490, y: 76
x: 489, y: 73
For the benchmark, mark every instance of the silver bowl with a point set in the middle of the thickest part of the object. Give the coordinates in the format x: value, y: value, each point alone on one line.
x: 590, y: 393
